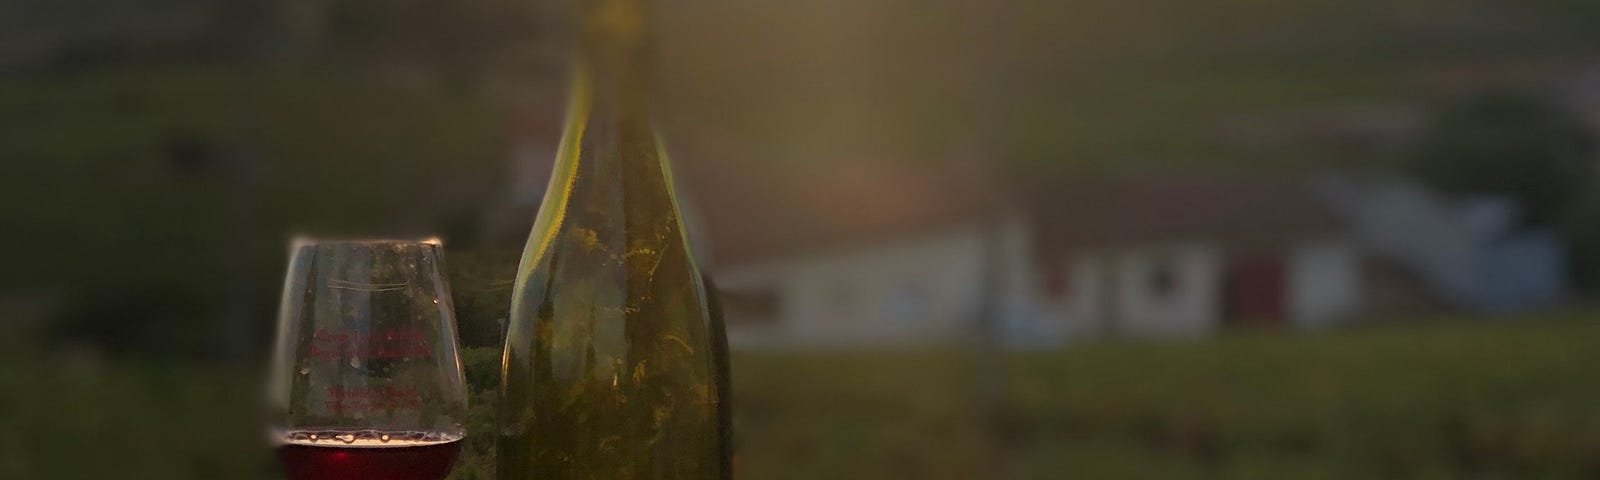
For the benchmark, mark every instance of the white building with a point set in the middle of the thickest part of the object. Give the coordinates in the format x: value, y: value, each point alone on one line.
x: 926, y: 286
x: 876, y: 253
x: 1187, y: 255
x: 879, y: 254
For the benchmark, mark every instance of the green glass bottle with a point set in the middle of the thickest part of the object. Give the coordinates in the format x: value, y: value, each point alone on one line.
x: 615, y: 366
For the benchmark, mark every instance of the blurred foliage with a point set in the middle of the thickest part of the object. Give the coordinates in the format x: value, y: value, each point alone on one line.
x: 187, y: 182
x: 68, y: 414
x: 1526, y: 146
x: 481, y: 365
x: 1583, y: 234
x: 1462, y: 401
x: 480, y: 283
x: 455, y: 43
x: 461, y: 41
x: 482, y: 369
x: 1146, y: 82
x: 1518, y: 144
x: 1436, y: 401
x: 135, y: 322
x: 330, y: 154
x: 1502, y: 399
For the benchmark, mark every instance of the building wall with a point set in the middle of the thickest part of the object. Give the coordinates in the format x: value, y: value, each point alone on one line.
x: 1080, y: 308
x: 1325, y: 283
x: 931, y: 287
x: 1523, y: 271
x: 1159, y: 290
x: 1119, y: 293
x: 925, y: 287
x: 1186, y: 303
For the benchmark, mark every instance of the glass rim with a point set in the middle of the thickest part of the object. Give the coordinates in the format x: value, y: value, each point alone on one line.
x: 312, y: 240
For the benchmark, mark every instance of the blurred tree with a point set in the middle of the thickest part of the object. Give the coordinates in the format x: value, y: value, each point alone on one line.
x: 1529, y: 148
x: 1510, y: 143
x: 150, y: 321
x: 1583, y: 233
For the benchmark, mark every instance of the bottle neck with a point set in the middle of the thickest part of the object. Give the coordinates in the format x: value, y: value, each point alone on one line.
x: 613, y: 68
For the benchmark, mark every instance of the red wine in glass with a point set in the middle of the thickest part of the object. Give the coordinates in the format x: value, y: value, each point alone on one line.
x: 368, y: 455
x: 366, y: 381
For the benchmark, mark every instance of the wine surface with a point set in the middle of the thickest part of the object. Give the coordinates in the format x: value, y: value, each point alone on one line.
x: 368, y: 454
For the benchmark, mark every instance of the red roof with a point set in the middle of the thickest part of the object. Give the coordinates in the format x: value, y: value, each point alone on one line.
x: 759, y: 209
x: 1120, y: 209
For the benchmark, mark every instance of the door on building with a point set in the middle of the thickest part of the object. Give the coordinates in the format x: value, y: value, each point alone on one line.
x: 1255, y: 293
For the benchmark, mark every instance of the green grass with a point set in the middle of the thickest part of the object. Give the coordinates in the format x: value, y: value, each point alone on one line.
x: 64, y: 416
x: 1507, y: 398
x: 1482, y: 400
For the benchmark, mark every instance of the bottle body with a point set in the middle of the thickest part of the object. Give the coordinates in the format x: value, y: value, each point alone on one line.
x: 611, y: 367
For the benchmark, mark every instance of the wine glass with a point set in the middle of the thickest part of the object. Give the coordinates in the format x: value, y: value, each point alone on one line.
x: 366, y: 380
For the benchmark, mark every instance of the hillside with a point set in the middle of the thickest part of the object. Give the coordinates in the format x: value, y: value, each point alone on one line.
x: 1088, y: 81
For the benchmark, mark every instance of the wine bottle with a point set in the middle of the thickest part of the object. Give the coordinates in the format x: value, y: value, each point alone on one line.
x: 613, y: 365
